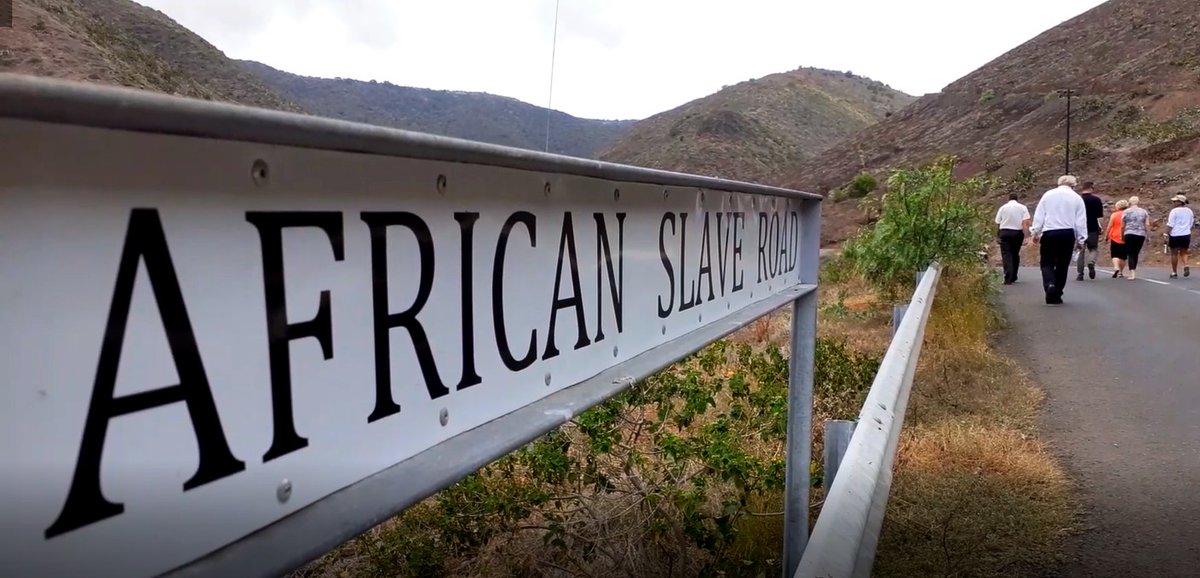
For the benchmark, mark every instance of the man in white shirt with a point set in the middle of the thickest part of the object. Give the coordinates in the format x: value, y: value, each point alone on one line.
x: 1012, y: 220
x: 1179, y: 235
x: 1059, y: 226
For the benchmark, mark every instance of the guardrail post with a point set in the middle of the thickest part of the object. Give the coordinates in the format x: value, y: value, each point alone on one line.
x: 798, y: 476
x: 898, y: 311
x: 837, y: 438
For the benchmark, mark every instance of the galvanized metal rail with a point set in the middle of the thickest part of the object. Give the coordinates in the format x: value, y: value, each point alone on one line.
x: 844, y: 539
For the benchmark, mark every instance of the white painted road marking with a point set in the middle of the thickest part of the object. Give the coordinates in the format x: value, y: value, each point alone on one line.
x: 1155, y: 281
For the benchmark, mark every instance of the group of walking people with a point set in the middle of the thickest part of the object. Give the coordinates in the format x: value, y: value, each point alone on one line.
x: 1068, y: 225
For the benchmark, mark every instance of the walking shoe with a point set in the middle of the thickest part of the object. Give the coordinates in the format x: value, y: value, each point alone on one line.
x: 1116, y: 274
x: 1091, y: 271
x: 1187, y: 271
x: 1174, y: 275
x: 1080, y: 277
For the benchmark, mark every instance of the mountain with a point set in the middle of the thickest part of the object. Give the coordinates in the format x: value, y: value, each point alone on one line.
x: 1135, y: 65
x: 756, y: 129
x: 123, y: 43
x: 470, y: 115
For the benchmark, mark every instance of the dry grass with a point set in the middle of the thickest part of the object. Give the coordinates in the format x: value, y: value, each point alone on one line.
x: 975, y: 493
x: 973, y: 499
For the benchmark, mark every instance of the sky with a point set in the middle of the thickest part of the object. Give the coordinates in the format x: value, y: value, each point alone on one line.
x: 625, y: 59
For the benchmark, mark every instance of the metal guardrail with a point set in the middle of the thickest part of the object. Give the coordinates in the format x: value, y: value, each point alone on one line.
x: 844, y: 539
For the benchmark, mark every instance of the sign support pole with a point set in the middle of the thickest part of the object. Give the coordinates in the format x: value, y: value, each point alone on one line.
x: 797, y: 480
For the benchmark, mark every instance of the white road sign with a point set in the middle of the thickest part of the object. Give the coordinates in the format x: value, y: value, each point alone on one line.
x: 201, y: 337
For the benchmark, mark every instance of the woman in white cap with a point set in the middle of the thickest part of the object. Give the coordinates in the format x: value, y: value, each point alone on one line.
x: 1179, y: 235
x: 1136, y: 222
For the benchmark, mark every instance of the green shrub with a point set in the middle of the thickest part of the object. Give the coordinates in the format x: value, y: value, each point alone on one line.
x: 842, y: 379
x: 669, y: 470
x: 988, y: 96
x: 927, y: 215
x: 863, y: 185
x: 1023, y: 179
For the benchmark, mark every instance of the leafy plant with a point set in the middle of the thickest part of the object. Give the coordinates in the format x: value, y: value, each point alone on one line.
x: 863, y: 185
x: 1023, y: 179
x: 926, y: 215
x: 660, y: 480
x: 988, y: 96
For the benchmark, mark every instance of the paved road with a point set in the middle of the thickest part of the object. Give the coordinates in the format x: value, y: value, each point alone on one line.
x: 1120, y: 363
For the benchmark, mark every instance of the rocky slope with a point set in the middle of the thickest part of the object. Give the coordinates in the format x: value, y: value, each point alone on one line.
x: 123, y: 43
x: 756, y: 129
x: 1135, y: 65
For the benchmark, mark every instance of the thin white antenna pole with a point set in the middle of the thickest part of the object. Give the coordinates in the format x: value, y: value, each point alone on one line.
x: 550, y: 99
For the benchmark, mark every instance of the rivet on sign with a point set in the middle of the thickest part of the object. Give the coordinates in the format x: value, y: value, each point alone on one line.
x: 616, y: 194
x: 728, y: 305
x: 700, y: 319
x: 664, y: 332
x: 666, y: 193
x: 614, y: 351
x: 878, y: 421
x: 702, y: 195
x: 547, y: 189
x: 441, y: 184
x: 547, y: 378
x: 883, y: 407
x: 444, y: 416
x: 259, y: 172
x: 284, y: 491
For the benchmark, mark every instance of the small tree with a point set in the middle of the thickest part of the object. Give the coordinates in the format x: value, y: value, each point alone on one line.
x: 927, y: 215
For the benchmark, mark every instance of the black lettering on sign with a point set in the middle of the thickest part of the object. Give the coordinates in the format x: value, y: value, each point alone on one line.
x: 784, y: 244
x: 270, y: 227
x: 665, y: 310
x: 739, y: 227
x: 466, y: 224
x: 723, y: 249
x: 762, y: 245
x: 795, y: 255
x: 566, y: 248
x: 385, y: 321
x: 615, y: 287
x: 512, y: 363
x: 705, y: 263
x: 686, y: 300
x: 85, y: 503
x: 773, y: 235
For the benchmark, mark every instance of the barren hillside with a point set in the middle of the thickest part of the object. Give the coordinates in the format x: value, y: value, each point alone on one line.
x: 756, y: 129
x: 1135, y: 65
x: 470, y: 115
x: 123, y: 43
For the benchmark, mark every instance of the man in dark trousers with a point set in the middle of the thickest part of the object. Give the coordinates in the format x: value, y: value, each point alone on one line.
x: 1059, y: 226
x: 1095, y: 211
x: 1012, y: 220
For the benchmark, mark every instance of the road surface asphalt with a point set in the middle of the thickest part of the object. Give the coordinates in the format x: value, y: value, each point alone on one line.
x: 1118, y: 362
